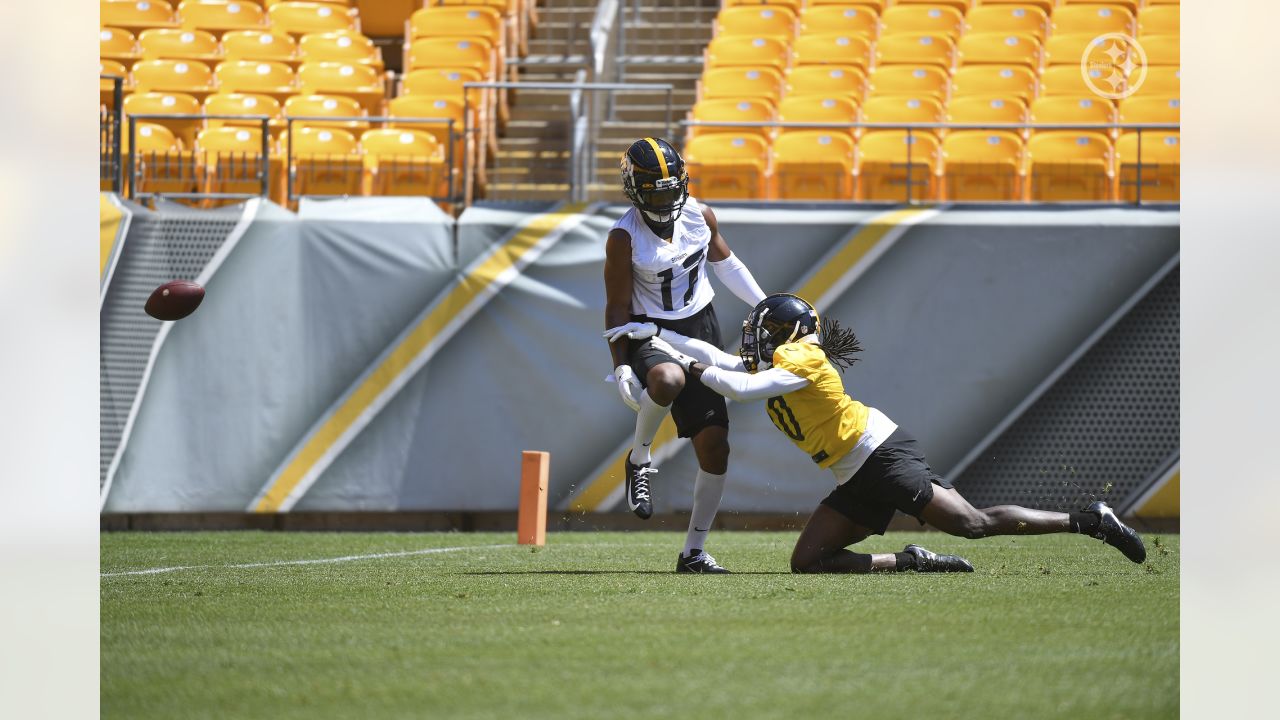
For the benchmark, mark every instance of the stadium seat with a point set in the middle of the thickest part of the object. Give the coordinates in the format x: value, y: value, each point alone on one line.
x: 176, y: 44
x: 982, y: 165
x: 833, y: 49
x: 910, y: 80
x: 876, y: 6
x: 1068, y: 48
x: 1158, y: 20
x: 727, y: 166
x: 219, y: 17
x: 1045, y: 6
x: 746, y: 83
x: 1075, y: 110
x: 777, y: 21
x: 341, y: 46
x: 160, y: 162
x: 117, y: 44
x: 847, y: 19
x: 336, y: 106
x: 106, y: 88
x: 1022, y: 19
x: 441, y: 108
x: 331, y: 78
x: 916, y: 49
x: 818, y: 109
x: 188, y: 76
x: 812, y: 165
x: 1014, y: 81
x: 725, y: 110
x: 165, y: 103
x: 900, y: 109
x: 961, y: 6
x: 439, y: 81
x: 301, y: 18
x: 1161, y: 166
x: 385, y: 18
x: 1162, y: 50
x: 933, y: 19
x: 792, y: 5
x: 325, y: 161
x: 1093, y: 19
x: 743, y: 51
x: 1130, y: 5
x: 231, y: 161
x: 830, y: 80
x: 457, y: 22
x: 888, y: 159
x: 974, y: 109
x: 1150, y: 109
x: 403, y: 162
x: 1160, y: 80
x: 1067, y: 80
x: 243, y: 104
x: 1070, y: 165
x: 999, y: 49
x: 136, y: 15
x: 266, y: 77
x: 451, y: 53
x: 260, y: 45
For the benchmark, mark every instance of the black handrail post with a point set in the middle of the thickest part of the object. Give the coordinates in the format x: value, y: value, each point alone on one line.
x: 1137, y: 197
x: 265, y: 165
x: 133, y: 152
x: 117, y: 100
x: 288, y: 158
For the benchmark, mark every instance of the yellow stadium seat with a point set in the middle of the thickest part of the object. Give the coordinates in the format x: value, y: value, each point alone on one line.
x: 818, y: 109
x: 335, y: 106
x: 831, y: 80
x: 757, y: 21
x: 385, y: 18
x: 188, y: 76
x: 916, y: 49
x: 910, y: 80
x: 876, y: 6
x: 174, y: 43
x: 1022, y: 19
x: 219, y: 17
x: 231, y: 161
x: 1068, y: 48
x: 300, y: 18
x: 725, y: 110
x: 1160, y: 80
x: 117, y: 44
x: 457, y: 22
x: 136, y: 15
x: 1073, y: 109
x: 160, y: 164
x: 266, y: 77
x: 106, y: 88
x: 1093, y: 19
x: 1017, y: 81
x: 999, y: 49
x: 245, y: 104
x: 813, y: 165
x: 727, y: 166
x: 326, y: 161
x: 1070, y: 165
x: 961, y: 6
x: 451, y: 53
x: 403, y: 162
x: 441, y: 108
x: 340, y: 46
x: 982, y: 165
x: 1045, y: 6
x: 743, y: 51
x: 165, y: 103
x: 1150, y: 109
x: 975, y: 109
x: 356, y: 81
x: 439, y: 81
x: 933, y: 19
x: 1159, y: 20
x: 260, y: 45
x: 894, y: 165
x: 1164, y: 2
x: 833, y: 49
x: 1067, y: 80
x: 1162, y: 50
x: 1130, y: 5
x: 746, y: 83
x: 848, y: 19
x: 792, y: 5
x: 900, y: 109
x: 1161, y: 166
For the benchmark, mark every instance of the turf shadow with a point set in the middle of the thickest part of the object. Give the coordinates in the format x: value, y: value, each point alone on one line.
x: 609, y: 572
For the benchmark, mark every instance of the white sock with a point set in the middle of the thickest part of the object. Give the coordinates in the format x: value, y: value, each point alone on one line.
x: 648, y: 420
x: 707, y: 489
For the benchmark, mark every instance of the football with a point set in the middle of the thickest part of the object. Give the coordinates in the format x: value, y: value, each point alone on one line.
x: 174, y: 300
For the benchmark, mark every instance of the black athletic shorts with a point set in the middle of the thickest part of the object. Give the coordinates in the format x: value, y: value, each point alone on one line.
x: 697, y: 406
x: 895, y: 477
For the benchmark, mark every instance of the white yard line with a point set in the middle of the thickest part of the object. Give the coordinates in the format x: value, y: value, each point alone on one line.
x: 316, y: 561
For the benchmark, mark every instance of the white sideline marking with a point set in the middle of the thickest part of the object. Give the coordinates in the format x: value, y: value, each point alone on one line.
x: 316, y: 561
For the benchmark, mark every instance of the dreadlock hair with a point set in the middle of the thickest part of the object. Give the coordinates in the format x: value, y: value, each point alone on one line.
x: 839, y: 343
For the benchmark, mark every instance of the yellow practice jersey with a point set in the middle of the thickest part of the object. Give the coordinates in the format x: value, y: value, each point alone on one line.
x: 820, y: 418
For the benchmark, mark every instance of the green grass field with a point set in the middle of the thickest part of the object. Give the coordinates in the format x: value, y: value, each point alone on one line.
x: 595, y: 625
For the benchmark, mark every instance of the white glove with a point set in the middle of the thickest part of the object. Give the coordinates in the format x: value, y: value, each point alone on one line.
x: 633, y: 330
x: 628, y: 386
x: 663, y: 346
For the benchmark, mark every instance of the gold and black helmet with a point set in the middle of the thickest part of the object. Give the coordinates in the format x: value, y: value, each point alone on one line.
x: 655, y: 180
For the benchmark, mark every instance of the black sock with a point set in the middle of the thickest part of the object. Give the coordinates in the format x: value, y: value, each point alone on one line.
x: 905, y: 561
x: 1085, y: 523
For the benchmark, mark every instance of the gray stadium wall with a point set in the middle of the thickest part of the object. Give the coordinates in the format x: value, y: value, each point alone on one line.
x: 377, y: 355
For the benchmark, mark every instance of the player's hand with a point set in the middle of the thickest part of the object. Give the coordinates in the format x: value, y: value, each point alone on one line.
x: 628, y: 386
x: 665, y: 347
x: 633, y: 330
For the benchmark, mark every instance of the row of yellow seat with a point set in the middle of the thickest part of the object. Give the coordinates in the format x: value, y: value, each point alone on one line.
x: 968, y: 165
x: 288, y: 16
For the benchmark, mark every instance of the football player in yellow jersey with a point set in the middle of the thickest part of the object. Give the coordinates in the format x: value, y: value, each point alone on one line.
x: 790, y: 358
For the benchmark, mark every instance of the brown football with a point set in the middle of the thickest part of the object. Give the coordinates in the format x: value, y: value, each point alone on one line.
x: 174, y: 300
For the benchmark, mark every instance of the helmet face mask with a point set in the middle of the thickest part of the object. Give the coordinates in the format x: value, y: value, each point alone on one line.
x: 654, y: 179
x: 777, y: 320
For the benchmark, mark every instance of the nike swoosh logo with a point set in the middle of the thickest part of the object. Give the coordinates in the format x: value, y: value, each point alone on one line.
x: 698, y: 529
x: 646, y: 444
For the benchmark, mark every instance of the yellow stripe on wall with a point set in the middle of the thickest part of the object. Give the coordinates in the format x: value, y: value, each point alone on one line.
x: 110, y: 226
x: 349, y: 410
x: 1166, y: 502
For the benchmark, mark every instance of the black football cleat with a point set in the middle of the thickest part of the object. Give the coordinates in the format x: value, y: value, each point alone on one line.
x: 638, y: 488
x: 699, y: 561
x: 928, y: 561
x: 1117, y: 534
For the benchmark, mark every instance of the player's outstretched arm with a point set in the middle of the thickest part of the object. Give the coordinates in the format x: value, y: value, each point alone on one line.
x: 731, y: 271
x: 617, y: 311
x: 700, y: 350
x: 744, y: 387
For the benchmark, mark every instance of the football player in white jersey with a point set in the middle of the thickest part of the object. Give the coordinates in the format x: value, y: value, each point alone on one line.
x: 655, y: 271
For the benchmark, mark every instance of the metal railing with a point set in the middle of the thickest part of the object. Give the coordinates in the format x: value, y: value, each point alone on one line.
x: 650, y: 29
x: 244, y: 167
x: 109, y: 144
x: 332, y: 122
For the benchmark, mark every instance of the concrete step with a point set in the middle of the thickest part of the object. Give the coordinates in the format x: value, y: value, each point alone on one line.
x: 653, y: 113
x: 544, y: 130
x: 678, y: 80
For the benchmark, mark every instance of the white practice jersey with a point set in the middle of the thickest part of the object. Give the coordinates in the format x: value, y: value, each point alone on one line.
x: 669, y: 278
